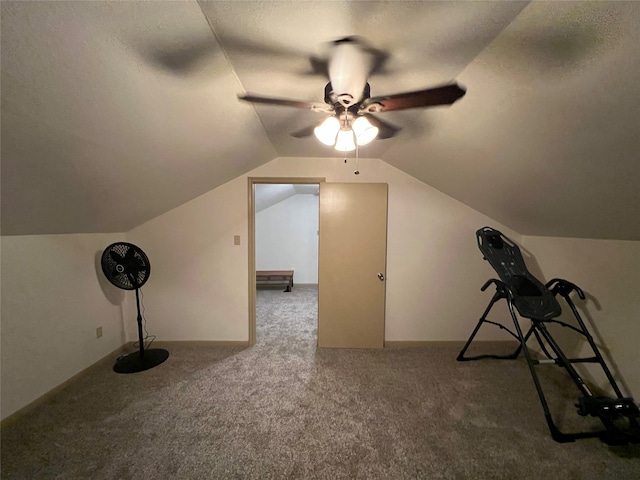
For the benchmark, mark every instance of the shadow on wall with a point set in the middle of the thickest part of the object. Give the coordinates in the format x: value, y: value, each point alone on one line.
x: 573, y: 344
x: 112, y: 293
x: 604, y: 350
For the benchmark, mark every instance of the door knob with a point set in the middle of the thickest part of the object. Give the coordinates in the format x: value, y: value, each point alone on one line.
x: 381, y: 277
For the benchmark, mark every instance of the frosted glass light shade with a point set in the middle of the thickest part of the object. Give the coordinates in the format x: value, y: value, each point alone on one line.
x: 365, y: 132
x: 326, y: 132
x: 345, y: 141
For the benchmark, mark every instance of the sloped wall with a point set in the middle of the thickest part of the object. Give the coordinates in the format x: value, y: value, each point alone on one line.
x: 199, y: 285
x: 608, y: 271
x: 54, y: 296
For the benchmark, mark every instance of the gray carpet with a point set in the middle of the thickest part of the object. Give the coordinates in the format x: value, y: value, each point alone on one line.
x: 283, y: 409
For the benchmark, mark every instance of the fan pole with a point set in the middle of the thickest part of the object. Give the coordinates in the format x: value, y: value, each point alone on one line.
x: 140, y: 360
x: 139, y: 325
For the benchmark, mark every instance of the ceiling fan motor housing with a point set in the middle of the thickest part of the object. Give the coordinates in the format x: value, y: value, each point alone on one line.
x: 339, y: 108
x: 349, y: 67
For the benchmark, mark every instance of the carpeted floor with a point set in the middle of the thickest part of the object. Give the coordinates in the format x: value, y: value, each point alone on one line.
x: 283, y: 409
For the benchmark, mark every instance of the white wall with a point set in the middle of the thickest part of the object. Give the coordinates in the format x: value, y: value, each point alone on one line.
x: 609, y: 273
x: 54, y: 296
x: 287, y: 237
x: 198, y: 287
x: 199, y: 284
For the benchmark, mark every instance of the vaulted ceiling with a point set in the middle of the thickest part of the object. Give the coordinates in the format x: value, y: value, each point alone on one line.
x: 115, y: 112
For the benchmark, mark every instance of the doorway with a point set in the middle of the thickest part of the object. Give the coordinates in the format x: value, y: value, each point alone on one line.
x: 352, y: 231
x: 283, y: 238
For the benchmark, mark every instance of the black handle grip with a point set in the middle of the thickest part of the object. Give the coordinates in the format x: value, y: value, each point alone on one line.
x: 499, y: 284
x: 564, y: 288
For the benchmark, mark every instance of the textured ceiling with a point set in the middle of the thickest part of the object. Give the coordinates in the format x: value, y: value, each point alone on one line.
x: 115, y: 112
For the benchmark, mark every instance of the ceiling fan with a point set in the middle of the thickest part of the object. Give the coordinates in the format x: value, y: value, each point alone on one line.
x: 348, y: 100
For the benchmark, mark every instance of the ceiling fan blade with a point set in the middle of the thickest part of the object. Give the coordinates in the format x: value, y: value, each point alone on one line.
x: 378, y: 57
x: 385, y: 129
x: 244, y: 45
x: 303, y: 132
x: 378, y: 66
x: 282, y: 102
x: 186, y: 58
x: 319, y: 66
x: 445, y: 95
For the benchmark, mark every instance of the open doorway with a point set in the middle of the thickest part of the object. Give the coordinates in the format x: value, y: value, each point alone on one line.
x: 283, y: 259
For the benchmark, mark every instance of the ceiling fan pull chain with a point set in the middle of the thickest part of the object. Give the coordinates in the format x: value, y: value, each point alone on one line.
x: 356, y: 171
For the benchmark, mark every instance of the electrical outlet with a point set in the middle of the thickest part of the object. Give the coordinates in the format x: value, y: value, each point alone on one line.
x: 236, y: 239
x: 98, y: 332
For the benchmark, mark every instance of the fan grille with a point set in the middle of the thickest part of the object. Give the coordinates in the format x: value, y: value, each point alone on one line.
x: 125, y: 265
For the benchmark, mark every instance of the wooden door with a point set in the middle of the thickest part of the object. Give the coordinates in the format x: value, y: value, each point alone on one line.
x: 352, y: 253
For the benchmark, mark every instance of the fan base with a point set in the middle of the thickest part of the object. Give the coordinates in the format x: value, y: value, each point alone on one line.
x: 134, y: 362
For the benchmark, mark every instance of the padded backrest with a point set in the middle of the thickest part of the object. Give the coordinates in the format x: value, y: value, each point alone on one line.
x: 530, y: 297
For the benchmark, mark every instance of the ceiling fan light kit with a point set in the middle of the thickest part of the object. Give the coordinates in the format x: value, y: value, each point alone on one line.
x: 347, y: 98
x: 344, y: 141
x: 345, y: 137
x: 364, y: 131
x: 327, y: 131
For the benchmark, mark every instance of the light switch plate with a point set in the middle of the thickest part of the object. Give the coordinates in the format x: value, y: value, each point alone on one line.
x: 236, y: 239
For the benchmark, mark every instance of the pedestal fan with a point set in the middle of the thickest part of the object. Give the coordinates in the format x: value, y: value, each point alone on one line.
x: 126, y: 266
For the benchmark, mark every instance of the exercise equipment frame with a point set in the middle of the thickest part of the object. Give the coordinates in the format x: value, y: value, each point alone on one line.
x: 537, y: 302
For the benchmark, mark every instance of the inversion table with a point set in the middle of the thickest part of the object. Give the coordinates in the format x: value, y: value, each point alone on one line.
x: 537, y: 302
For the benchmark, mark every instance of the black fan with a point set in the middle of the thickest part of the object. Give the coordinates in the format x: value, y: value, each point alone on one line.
x: 127, y: 267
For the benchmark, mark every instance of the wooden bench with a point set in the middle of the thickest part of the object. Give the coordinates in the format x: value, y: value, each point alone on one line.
x: 275, y: 277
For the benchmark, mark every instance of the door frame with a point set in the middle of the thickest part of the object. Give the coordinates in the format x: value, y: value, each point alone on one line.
x: 252, y: 181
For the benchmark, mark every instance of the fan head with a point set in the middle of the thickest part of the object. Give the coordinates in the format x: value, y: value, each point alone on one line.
x: 125, y: 265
